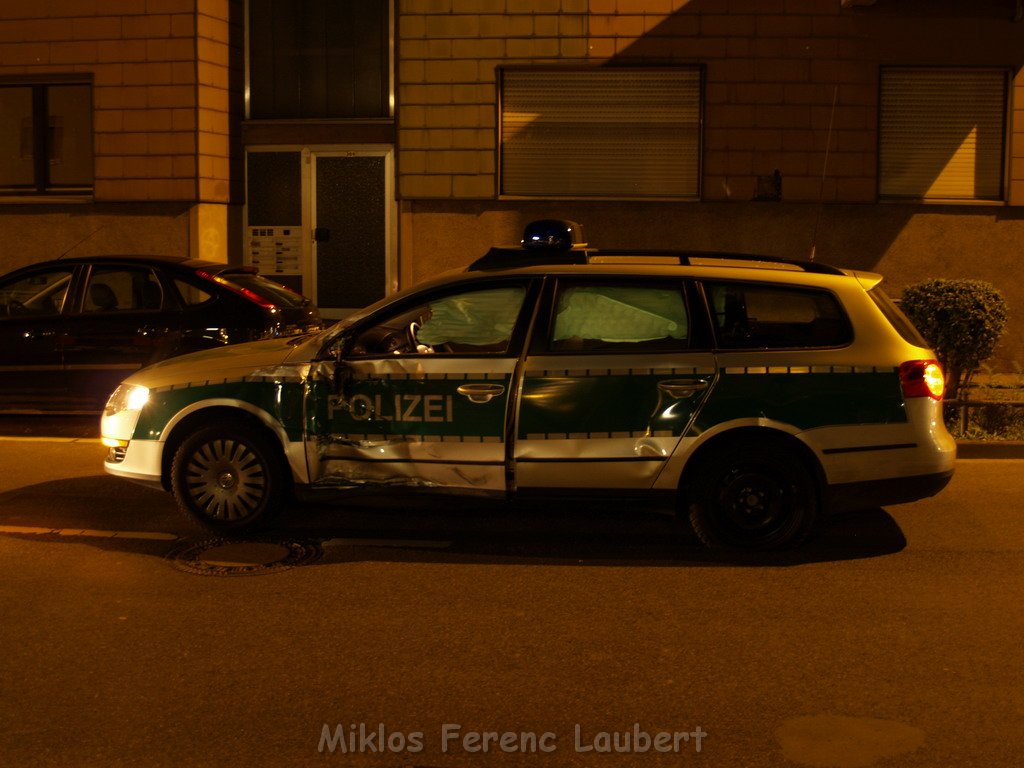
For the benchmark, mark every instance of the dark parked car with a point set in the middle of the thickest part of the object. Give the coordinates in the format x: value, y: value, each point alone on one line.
x: 71, y: 329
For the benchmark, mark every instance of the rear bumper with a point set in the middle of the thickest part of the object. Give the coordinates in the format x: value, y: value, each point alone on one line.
x: 868, y: 494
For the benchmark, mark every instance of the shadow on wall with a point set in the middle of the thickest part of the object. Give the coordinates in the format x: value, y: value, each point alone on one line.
x: 770, y: 82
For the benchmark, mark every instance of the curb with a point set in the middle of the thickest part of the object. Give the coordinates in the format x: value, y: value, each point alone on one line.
x: 990, y: 449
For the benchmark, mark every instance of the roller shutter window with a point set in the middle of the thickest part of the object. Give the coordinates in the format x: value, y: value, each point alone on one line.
x: 943, y: 134
x: 626, y: 133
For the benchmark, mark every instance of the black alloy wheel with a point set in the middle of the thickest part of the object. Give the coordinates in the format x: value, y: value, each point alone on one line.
x: 752, y: 495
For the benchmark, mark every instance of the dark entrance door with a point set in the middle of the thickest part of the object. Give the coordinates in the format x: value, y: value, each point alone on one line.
x: 351, y: 226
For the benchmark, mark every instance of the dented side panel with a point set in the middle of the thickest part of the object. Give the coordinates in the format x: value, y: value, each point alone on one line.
x: 410, y: 421
x: 584, y: 423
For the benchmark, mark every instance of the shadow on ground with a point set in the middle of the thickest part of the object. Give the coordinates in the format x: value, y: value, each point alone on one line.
x: 435, y: 530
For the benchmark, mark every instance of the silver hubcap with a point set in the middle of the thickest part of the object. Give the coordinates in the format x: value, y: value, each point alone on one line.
x: 225, y: 479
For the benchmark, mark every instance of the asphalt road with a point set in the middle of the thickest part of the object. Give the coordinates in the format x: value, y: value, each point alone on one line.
x: 892, y: 639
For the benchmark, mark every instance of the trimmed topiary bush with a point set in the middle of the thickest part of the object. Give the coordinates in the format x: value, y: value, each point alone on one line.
x: 961, y: 319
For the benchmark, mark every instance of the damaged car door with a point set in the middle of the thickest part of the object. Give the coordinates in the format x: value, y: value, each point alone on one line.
x: 422, y: 392
x: 617, y: 370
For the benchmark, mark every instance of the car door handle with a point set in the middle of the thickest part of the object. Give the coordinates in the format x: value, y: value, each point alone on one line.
x: 680, y: 388
x: 480, y: 393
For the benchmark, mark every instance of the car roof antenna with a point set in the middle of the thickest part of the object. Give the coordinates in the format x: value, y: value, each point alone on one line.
x: 824, y: 171
x: 69, y: 250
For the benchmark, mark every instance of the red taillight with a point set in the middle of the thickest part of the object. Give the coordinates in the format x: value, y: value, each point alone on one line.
x: 922, y: 378
x: 250, y: 295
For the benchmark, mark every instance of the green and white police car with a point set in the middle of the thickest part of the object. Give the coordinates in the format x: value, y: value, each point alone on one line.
x: 760, y: 393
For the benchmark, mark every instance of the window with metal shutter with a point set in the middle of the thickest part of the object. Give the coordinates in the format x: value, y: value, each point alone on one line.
x: 942, y: 134
x: 601, y: 133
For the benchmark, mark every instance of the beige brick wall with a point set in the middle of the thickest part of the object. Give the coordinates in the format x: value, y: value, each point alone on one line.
x: 213, y: 114
x: 773, y: 69
x: 1017, y: 142
x: 34, y: 233
x: 448, y: 52
x: 160, y: 95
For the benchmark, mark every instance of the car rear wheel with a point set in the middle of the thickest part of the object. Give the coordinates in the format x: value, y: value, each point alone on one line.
x: 752, y: 496
x: 228, y: 477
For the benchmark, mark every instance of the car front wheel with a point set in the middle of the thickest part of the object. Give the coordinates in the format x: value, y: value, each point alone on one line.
x: 752, y: 496
x: 228, y: 477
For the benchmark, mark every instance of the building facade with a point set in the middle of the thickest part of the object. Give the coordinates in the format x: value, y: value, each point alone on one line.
x: 350, y: 148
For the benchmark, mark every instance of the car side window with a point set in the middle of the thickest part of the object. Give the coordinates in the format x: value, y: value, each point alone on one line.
x: 121, y: 289
x: 472, y: 322
x: 761, y: 316
x: 619, y: 317
x: 37, y: 294
x: 191, y: 295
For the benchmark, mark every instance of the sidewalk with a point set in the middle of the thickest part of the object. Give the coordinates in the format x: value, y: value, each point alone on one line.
x: 989, y: 449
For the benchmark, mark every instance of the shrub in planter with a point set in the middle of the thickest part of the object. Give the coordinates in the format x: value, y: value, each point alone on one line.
x: 962, y: 321
x: 995, y: 421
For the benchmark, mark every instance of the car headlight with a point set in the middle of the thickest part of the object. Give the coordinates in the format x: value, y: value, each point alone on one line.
x: 122, y: 413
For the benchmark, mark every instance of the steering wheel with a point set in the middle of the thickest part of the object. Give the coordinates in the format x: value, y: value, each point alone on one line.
x: 15, y: 307
x: 418, y: 346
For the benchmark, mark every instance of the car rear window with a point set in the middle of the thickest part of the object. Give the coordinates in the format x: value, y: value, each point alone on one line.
x: 896, y: 318
x: 191, y: 295
x: 762, y: 316
x: 272, y: 292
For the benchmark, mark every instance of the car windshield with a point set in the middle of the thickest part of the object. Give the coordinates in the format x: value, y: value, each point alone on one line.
x: 320, y: 345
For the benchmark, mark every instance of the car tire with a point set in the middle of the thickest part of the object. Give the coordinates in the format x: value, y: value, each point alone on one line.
x: 229, y: 478
x: 749, y: 495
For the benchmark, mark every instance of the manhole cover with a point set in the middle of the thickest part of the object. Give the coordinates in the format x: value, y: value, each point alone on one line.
x: 225, y: 557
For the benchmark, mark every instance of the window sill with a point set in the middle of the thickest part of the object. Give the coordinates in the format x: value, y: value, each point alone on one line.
x: 320, y: 120
x: 939, y: 201
x: 600, y: 198
x: 45, y: 199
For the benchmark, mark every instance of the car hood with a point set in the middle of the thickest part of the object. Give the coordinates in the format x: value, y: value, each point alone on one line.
x: 212, y: 365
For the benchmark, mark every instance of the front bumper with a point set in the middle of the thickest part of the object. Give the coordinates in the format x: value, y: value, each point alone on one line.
x: 141, y: 461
